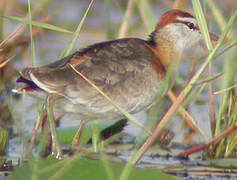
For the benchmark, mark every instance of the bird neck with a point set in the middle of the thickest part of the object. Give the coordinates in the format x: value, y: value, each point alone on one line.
x: 166, y: 47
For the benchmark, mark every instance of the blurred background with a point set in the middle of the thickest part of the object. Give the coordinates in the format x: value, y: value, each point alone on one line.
x: 106, y: 20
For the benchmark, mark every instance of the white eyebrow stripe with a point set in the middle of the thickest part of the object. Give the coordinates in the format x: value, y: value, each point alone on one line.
x: 186, y: 19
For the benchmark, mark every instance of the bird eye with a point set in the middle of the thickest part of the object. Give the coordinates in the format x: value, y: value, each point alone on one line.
x: 190, y: 25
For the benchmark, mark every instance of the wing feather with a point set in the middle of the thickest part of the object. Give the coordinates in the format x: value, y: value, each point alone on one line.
x: 116, y: 67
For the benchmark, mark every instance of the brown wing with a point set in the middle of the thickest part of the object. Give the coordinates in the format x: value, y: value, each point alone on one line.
x: 103, y: 63
x: 120, y: 68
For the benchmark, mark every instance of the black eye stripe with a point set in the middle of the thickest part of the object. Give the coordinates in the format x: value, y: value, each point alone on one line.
x: 189, y: 24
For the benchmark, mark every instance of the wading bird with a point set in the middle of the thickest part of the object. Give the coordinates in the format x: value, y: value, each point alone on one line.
x: 133, y: 72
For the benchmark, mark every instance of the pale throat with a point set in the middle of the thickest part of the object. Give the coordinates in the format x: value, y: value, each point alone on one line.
x: 168, y: 49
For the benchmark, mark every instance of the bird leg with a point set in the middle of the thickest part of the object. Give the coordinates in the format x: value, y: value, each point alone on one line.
x: 77, y: 136
x: 56, y: 149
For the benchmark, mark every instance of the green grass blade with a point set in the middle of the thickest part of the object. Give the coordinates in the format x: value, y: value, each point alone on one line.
x: 202, y: 22
x: 77, y: 32
x: 39, y: 24
x: 217, y: 14
x: 2, y: 11
x: 204, y: 29
x: 111, y: 29
x: 146, y: 12
x: 31, y: 35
